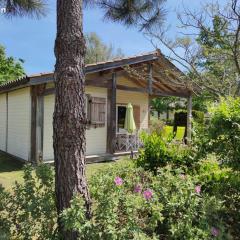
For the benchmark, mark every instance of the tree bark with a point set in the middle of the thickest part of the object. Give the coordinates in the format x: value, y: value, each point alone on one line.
x: 69, y: 122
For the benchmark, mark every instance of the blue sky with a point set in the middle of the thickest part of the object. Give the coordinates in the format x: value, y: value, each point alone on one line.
x: 33, y: 40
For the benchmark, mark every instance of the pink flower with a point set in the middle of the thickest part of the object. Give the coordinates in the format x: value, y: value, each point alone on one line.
x: 118, y: 181
x: 138, y: 188
x: 148, y: 194
x: 198, y: 189
x: 214, y: 231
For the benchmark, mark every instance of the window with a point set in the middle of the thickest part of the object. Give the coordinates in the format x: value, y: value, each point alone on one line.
x: 96, y: 109
x: 121, y: 113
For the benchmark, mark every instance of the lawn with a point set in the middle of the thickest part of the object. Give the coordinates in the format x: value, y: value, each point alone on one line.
x: 11, y: 169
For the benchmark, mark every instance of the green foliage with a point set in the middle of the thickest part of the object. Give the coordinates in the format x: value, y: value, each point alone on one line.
x: 32, y: 8
x: 219, y: 49
x: 158, y: 152
x: 174, y: 210
x: 198, y: 116
x: 201, y: 102
x: 209, y: 171
x: 180, y: 117
x: 144, y: 14
x: 156, y: 125
x: 29, y: 209
x: 97, y: 51
x: 223, y: 131
x: 164, y: 104
x: 10, y: 69
x: 224, y: 184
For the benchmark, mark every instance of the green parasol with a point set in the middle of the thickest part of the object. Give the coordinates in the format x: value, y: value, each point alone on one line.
x: 129, y: 124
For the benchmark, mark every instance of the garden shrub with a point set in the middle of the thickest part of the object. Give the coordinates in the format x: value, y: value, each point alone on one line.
x: 224, y: 184
x: 158, y: 152
x: 156, y: 125
x: 130, y: 203
x: 224, y: 131
x: 28, y: 211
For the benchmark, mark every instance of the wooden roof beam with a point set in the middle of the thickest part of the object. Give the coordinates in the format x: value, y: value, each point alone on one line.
x: 171, y: 71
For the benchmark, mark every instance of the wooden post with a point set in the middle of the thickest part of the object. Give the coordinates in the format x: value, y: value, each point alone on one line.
x: 150, y: 78
x: 6, y: 139
x: 40, y: 122
x: 111, y: 115
x: 149, y: 111
x: 33, y: 150
x: 189, y: 120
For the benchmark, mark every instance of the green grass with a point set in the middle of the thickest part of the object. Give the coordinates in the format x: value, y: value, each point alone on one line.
x: 11, y: 169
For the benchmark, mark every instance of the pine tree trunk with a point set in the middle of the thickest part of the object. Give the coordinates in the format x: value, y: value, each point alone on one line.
x: 69, y: 123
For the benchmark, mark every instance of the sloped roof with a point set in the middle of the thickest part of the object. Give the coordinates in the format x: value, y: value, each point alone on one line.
x: 166, y: 75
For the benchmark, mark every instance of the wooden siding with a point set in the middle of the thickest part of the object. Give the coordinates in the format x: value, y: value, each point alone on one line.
x: 138, y: 99
x: 3, y: 118
x: 95, y: 137
x: 19, y: 123
x: 136, y: 115
x: 126, y: 82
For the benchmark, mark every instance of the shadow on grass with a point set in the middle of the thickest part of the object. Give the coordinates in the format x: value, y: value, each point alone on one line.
x: 9, y: 163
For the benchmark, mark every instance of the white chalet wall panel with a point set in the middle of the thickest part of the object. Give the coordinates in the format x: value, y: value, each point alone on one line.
x: 19, y: 123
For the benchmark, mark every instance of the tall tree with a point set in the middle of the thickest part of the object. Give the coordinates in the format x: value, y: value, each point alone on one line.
x: 207, y: 47
x: 10, y: 68
x: 97, y: 51
x: 69, y: 122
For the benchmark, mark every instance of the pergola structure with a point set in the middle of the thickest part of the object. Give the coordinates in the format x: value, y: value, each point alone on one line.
x: 153, y: 73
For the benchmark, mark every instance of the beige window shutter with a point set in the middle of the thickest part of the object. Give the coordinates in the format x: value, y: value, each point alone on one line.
x: 136, y: 114
x: 98, y: 111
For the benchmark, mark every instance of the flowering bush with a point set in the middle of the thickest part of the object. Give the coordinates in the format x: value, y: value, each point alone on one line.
x: 28, y: 211
x: 224, y: 184
x: 130, y: 203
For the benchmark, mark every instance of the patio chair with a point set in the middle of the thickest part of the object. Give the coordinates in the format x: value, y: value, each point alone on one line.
x: 127, y: 142
x: 180, y: 134
x: 167, y: 131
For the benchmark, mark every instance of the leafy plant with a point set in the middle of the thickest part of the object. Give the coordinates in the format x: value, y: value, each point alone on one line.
x: 158, y: 152
x: 222, y: 135
x: 224, y: 184
x: 28, y: 211
x: 10, y: 68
